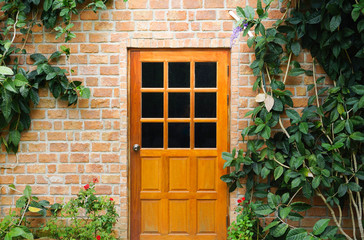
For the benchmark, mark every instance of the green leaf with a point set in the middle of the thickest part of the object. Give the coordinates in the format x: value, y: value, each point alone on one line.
x: 320, y: 226
x: 303, y: 127
x: 270, y: 225
x: 292, y: 114
x: 283, y: 213
x: 296, y: 234
x: 316, y: 182
x: 280, y: 230
x: 357, y: 136
x: 300, y: 206
x: 354, y: 187
x: 296, y: 48
x: 264, y: 210
x: 266, y: 132
x: 27, y: 191
x: 355, y: 14
x: 85, y: 93
x: 339, y: 126
x: 20, y: 80
x: 335, y: 22
x: 249, y: 12
x: 6, y: 70
x: 343, y: 188
x: 55, y: 55
x: 360, y: 25
x: 296, y: 182
x: 10, y: 85
x: 358, y: 89
x: 14, y: 137
x: 278, y: 172
x: 47, y: 4
x: 38, y: 58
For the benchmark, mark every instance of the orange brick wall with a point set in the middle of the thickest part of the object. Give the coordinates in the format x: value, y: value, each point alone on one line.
x: 68, y: 146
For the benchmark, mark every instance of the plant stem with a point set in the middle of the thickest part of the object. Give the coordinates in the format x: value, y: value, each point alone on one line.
x: 288, y: 63
x: 283, y: 128
x: 333, y: 215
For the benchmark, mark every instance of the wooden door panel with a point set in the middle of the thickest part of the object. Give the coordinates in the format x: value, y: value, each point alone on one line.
x: 175, y: 191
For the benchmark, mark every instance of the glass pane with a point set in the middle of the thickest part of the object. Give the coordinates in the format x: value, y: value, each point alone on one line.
x: 178, y: 135
x: 152, y: 105
x: 152, y: 135
x: 179, y: 105
x: 152, y: 75
x: 205, y: 75
x: 179, y: 74
x: 205, y: 105
x: 205, y: 135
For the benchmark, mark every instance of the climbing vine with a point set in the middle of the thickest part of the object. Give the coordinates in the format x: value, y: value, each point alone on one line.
x: 321, y: 153
x: 19, y: 88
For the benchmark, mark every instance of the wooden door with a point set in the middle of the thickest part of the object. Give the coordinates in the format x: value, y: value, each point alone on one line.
x: 179, y: 118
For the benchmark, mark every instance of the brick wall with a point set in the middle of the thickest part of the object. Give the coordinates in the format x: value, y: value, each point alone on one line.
x: 67, y: 147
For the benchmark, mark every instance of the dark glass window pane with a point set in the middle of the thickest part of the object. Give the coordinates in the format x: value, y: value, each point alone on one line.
x: 179, y: 74
x: 152, y: 75
x: 205, y: 105
x: 178, y: 135
x: 152, y: 105
x: 152, y: 135
x: 205, y: 75
x: 179, y: 105
x: 205, y: 135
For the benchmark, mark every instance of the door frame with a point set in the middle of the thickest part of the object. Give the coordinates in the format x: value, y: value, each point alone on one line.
x: 129, y: 144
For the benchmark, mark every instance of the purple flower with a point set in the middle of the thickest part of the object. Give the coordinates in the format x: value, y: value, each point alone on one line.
x: 236, y: 31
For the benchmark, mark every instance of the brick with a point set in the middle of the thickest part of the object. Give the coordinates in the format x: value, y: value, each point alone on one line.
x: 178, y: 26
x: 206, y: 15
x: 121, y: 15
x: 89, y: 48
x: 138, y: 4
x: 69, y: 179
x: 159, y: 4
x: 47, y: 157
x: 80, y: 147
x: 98, y: 37
x: 37, y: 147
x: 192, y: 3
x: 25, y: 179
x: 89, y: 15
x: 59, y: 147
x: 104, y: 26
x: 93, y: 125
x: 143, y: 15
x: 94, y: 168
x: 57, y: 114
x: 102, y: 92
x: 158, y: 26
x: 67, y: 168
x: 79, y: 158
x: 215, y: 4
x: 101, y: 147
x: 72, y: 125
x: 110, y: 158
x: 90, y: 114
x: 110, y: 179
x: 125, y: 26
x: 106, y: 113
x: 109, y: 70
x: 176, y: 15
x: 59, y: 190
x: 36, y: 169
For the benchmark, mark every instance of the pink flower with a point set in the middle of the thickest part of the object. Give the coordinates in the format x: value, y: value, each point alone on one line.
x: 111, y: 199
x: 86, y: 186
x: 98, y: 237
x: 95, y: 180
x: 239, y: 201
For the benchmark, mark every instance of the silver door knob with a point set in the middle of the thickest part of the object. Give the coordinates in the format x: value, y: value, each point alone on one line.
x: 136, y: 147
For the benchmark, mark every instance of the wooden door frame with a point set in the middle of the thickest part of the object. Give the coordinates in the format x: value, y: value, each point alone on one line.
x: 129, y: 144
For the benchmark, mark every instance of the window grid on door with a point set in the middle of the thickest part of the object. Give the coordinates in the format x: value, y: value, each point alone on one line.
x: 178, y: 120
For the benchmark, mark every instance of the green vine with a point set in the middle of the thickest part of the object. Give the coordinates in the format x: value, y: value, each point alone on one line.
x: 19, y: 88
x: 321, y: 152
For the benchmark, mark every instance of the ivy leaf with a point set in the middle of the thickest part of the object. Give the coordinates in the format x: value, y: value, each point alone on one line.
x: 357, y: 136
x: 266, y: 132
x: 296, y: 234
x: 47, y: 4
x: 296, y: 182
x: 10, y: 85
x: 300, y: 206
x: 55, y: 55
x: 339, y: 126
x: 14, y: 137
x: 264, y: 210
x: 343, y: 188
x: 20, y: 80
x: 303, y: 127
x: 314, y: 18
x: 6, y: 71
x: 296, y: 72
x: 27, y: 191
x: 269, y: 102
x: 354, y: 187
x: 335, y: 22
x: 358, y: 89
x: 320, y: 226
x: 278, y: 172
x: 316, y: 182
x: 296, y: 48
x: 249, y: 12
x: 284, y: 212
x: 38, y: 58
x: 280, y: 230
x: 361, y: 25
x: 292, y: 114
x: 270, y: 225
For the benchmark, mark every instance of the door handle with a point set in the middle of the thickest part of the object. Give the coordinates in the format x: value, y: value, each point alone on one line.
x: 136, y: 147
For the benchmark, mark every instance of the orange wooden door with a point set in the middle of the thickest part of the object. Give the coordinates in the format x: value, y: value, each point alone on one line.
x: 179, y: 118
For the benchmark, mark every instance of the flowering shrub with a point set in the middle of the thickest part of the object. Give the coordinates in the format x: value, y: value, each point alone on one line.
x: 246, y: 226
x: 87, y: 217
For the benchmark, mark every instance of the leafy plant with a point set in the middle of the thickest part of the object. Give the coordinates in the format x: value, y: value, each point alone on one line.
x: 247, y: 225
x: 89, y: 217
x: 14, y: 226
x: 18, y: 88
x: 320, y: 154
